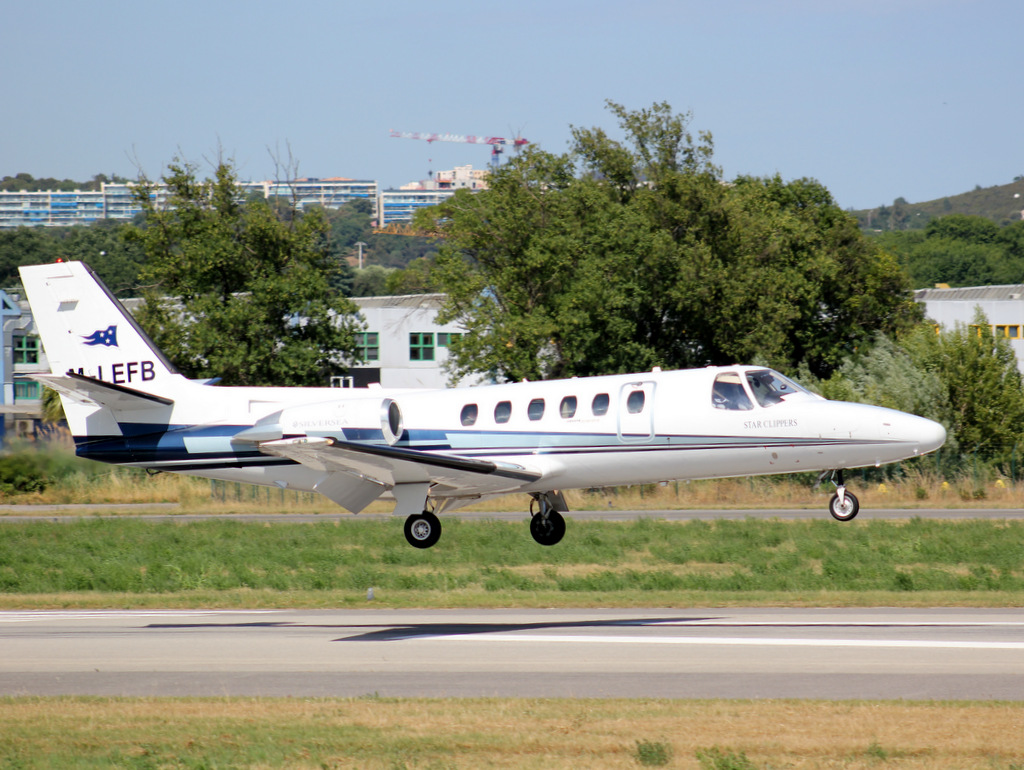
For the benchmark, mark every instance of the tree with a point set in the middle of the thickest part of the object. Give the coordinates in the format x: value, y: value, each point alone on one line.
x: 800, y: 283
x: 960, y: 250
x: 965, y: 378
x: 963, y: 227
x: 622, y: 255
x: 981, y: 381
x: 236, y: 293
x: 100, y: 244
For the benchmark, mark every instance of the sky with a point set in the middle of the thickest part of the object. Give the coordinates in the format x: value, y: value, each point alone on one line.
x: 876, y: 99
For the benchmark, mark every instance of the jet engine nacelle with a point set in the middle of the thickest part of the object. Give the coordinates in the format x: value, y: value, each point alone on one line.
x: 361, y: 417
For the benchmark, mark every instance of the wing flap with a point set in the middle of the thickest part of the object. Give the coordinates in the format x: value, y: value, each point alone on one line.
x: 391, y: 466
x: 351, y: 492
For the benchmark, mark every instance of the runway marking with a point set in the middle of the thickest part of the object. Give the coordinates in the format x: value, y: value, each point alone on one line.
x: 29, y: 616
x: 839, y: 623
x: 732, y: 641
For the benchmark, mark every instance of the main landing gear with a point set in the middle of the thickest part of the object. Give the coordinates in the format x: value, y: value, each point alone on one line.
x: 546, y: 524
x: 844, y: 505
x: 422, y: 530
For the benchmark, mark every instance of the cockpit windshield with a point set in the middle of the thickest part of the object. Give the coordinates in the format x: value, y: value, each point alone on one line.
x: 768, y: 388
x: 728, y: 392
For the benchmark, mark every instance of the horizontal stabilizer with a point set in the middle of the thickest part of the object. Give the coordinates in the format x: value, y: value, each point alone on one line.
x: 92, y: 392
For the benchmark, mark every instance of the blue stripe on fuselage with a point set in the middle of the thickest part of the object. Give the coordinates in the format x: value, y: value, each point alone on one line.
x: 160, y: 444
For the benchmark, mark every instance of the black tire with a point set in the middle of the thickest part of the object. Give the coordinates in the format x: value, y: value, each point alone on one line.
x: 550, y: 531
x: 422, y: 530
x: 844, y: 512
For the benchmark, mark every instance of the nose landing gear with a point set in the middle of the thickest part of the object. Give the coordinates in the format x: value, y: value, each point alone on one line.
x: 844, y: 505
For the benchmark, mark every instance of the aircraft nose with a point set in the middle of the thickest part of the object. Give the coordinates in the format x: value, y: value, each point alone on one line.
x: 929, y: 435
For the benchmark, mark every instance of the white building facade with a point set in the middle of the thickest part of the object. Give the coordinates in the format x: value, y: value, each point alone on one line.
x: 117, y: 201
x: 1003, y: 307
x: 403, y: 346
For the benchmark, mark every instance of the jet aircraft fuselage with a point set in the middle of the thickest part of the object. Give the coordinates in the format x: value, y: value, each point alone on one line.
x: 434, y: 450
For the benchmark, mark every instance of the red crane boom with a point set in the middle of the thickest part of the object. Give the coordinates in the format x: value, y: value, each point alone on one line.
x: 497, y: 142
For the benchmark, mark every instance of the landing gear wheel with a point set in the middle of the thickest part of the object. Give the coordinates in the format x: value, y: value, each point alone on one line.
x: 845, y: 510
x: 422, y: 530
x: 547, y: 530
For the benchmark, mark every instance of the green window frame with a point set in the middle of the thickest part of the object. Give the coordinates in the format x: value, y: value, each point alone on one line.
x: 444, y: 339
x: 369, y: 346
x: 26, y: 350
x: 27, y: 390
x: 421, y: 346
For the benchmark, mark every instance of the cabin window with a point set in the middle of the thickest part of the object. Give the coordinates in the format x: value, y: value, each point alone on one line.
x: 728, y: 392
x: 635, y: 402
x: 503, y: 411
x: 600, y: 404
x: 469, y: 413
x: 421, y: 346
x: 568, y: 407
x: 536, y: 409
x: 770, y: 388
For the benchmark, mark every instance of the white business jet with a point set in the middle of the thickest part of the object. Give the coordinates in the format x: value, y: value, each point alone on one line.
x: 436, y: 450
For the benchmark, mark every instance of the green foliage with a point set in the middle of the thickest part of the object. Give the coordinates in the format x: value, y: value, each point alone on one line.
x: 960, y: 250
x: 983, y: 398
x: 652, y: 753
x: 28, y: 183
x: 28, y: 470
x: 620, y: 256
x: 53, y: 407
x: 101, y: 245
x: 371, y: 281
x: 353, y: 223
x: 256, y: 303
x: 719, y: 759
x: 967, y: 381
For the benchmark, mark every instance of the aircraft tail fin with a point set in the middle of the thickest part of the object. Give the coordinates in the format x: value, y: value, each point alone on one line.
x: 86, y: 330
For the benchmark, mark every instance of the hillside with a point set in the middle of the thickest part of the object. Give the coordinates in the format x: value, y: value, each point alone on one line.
x: 1002, y: 204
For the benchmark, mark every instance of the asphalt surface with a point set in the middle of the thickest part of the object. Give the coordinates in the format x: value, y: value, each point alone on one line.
x: 669, y: 653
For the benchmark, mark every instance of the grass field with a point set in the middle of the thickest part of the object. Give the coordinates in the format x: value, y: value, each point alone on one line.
x: 499, y: 733
x: 126, y: 562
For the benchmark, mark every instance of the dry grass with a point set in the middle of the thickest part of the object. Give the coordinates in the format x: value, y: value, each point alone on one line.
x: 528, y: 733
x: 915, y: 490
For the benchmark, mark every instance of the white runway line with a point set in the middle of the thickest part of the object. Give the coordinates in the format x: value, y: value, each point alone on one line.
x: 30, y: 616
x: 726, y: 641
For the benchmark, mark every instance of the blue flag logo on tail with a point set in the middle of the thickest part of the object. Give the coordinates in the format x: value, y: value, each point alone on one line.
x: 106, y: 337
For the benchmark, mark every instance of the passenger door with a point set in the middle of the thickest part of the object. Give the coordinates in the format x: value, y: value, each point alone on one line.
x: 636, y: 411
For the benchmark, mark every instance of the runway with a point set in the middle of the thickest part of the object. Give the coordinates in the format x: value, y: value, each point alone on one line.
x: 669, y: 653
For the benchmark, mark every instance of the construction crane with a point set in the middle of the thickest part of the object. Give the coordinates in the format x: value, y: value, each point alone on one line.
x: 497, y: 143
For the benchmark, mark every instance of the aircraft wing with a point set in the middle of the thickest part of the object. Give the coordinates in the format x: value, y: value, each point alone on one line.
x: 92, y: 392
x: 386, y: 466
